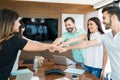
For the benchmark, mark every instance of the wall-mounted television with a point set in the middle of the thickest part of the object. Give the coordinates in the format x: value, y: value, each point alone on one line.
x: 41, y: 29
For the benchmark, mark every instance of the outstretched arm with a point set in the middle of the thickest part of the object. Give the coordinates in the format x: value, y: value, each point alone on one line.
x: 76, y: 39
x: 36, y: 46
x: 57, y: 42
x: 82, y: 45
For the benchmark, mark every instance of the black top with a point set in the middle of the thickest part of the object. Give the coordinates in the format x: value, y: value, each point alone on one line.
x: 8, y: 54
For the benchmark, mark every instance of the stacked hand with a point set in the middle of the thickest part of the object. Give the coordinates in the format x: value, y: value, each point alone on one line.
x: 53, y: 47
x: 58, y: 47
x: 62, y: 48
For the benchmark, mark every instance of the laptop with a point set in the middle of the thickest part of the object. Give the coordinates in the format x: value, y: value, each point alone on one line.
x: 63, y: 60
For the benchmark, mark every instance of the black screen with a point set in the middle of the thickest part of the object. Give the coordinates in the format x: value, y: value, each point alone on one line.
x: 41, y: 29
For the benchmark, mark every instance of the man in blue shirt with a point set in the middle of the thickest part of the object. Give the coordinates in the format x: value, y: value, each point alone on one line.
x: 72, y: 32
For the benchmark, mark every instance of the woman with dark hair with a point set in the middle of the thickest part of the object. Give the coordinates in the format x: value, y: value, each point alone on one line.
x: 20, y: 34
x: 10, y: 43
x: 98, y: 23
x: 93, y: 58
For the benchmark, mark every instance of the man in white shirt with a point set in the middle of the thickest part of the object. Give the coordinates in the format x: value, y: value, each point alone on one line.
x: 111, y: 19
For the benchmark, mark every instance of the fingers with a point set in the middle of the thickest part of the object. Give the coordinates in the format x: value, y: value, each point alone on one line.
x: 102, y: 75
x: 59, y: 48
x: 53, y: 47
x: 63, y: 49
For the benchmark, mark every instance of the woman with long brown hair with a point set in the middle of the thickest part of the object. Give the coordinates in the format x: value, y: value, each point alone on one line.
x: 10, y: 43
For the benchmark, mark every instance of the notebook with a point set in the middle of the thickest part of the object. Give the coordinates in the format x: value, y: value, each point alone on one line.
x: 24, y: 74
x: 63, y: 60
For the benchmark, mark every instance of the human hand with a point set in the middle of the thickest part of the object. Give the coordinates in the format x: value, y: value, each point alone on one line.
x: 102, y: 75
x: 53, y: 47
x: 62, y: 49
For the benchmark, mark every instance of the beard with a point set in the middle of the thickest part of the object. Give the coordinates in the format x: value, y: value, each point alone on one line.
x: 69, y: 29
x: 108, y: 25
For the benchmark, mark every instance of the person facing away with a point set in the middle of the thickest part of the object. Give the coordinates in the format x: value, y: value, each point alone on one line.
x: 72, y: 32
x: 20, y: 34
x: 10, y: 43
x: 111, y: 40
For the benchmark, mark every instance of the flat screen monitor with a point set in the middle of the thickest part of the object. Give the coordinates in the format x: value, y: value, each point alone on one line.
x: 41, y: 29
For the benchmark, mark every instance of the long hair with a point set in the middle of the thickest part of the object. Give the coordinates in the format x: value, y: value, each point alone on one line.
x: 20, y: 29
x: 97, y: 22
x: 7, y: 20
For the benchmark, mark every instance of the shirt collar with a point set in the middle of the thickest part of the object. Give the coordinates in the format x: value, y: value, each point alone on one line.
x: 118, y: 33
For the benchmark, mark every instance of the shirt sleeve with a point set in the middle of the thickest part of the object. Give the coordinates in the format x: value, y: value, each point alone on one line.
x: 82, y: 31
x: 100, y: 39
x: 64, y: 36
x: 19, y: 43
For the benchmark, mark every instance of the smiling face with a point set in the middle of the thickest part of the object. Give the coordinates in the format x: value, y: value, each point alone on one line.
x: 69, y: 25
x: 92, y: 26
x: 107, y: 20
x: 16, y: 25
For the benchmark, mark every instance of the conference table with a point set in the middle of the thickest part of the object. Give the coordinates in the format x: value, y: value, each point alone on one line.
x: 50, y: 65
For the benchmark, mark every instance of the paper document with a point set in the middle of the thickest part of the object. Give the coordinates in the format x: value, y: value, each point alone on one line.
x: 74, y: 70
x: 64, y: 78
